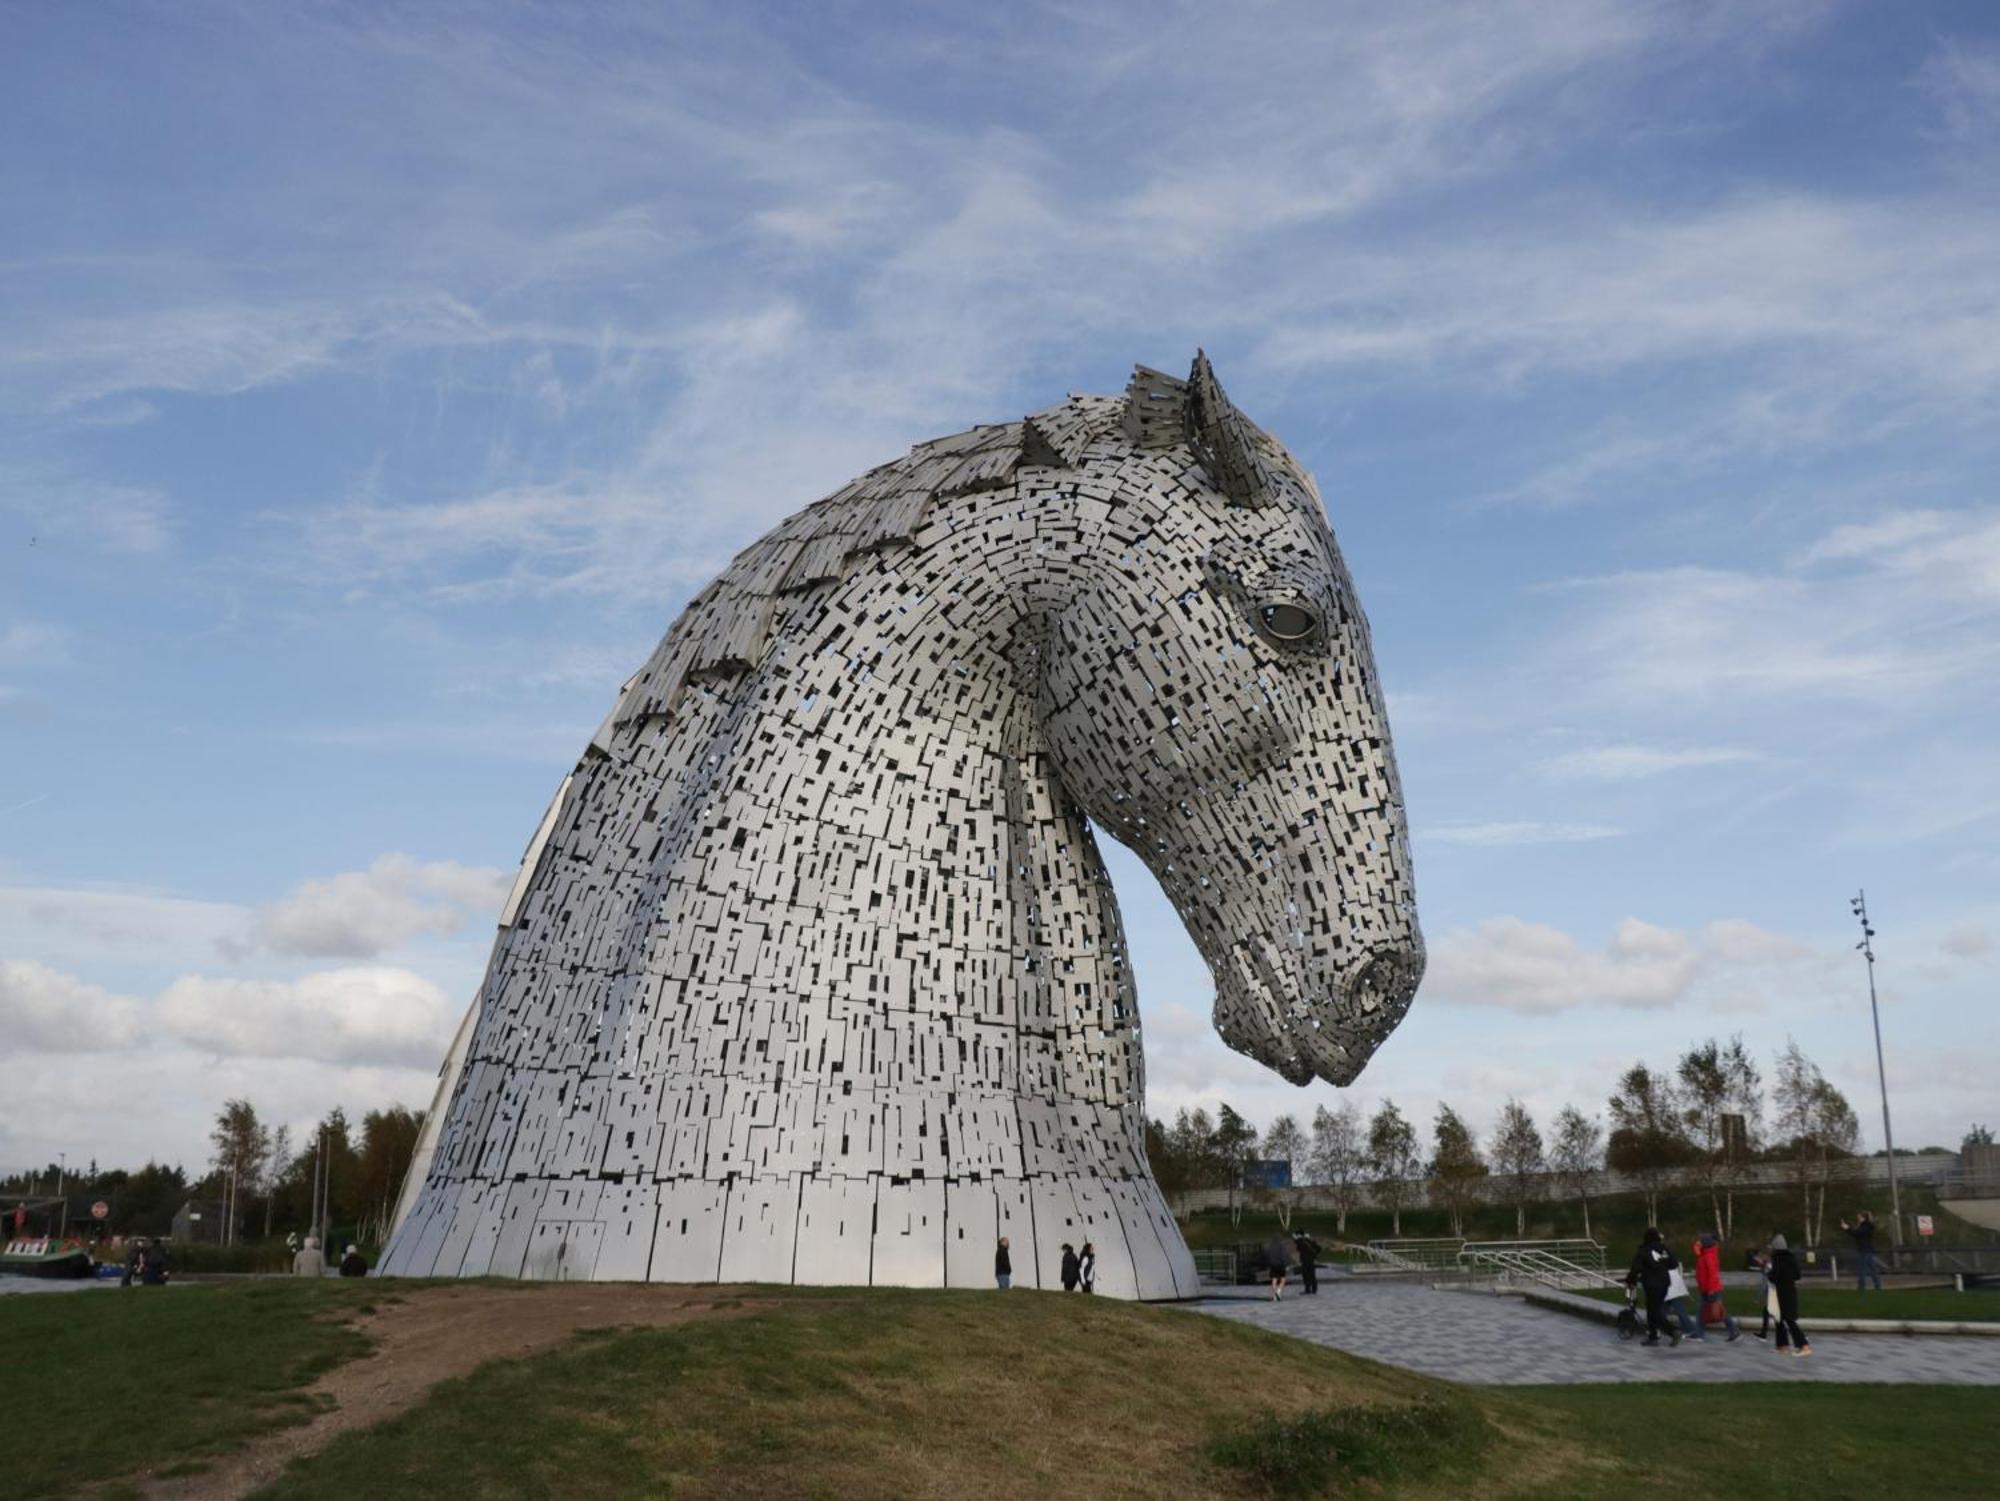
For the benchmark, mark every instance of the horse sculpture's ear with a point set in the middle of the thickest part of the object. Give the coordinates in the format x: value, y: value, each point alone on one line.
x: 1221, y: 438
x: 1155, y: 409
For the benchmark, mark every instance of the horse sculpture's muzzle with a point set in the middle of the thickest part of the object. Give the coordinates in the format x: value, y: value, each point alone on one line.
x: 1328, y: 1025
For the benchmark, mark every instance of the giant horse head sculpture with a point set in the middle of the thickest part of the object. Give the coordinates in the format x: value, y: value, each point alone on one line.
x: 812, y: 971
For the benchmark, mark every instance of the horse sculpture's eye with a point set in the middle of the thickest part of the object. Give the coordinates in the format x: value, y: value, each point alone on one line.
x: 1287, y: 622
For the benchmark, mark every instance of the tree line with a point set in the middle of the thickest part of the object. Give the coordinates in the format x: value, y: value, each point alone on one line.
x: 264, y: 1178
x: 1704, y: 1122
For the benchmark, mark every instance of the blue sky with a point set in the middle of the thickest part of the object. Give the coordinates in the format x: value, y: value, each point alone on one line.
x: 377, y: 381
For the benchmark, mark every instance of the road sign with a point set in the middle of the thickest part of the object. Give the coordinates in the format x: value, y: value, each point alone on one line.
x: 100, y: 1210
x: 1924, y: 1225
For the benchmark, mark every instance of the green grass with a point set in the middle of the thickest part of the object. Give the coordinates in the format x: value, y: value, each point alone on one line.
x: 1843, y: 1302
x: 847, y: 1394
x: 911, y: 1395
x: 1320, y: 1452
x: 1774, y: 1442
x: 102, y: 1383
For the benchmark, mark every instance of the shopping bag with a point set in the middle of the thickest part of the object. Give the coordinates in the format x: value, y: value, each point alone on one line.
x: 1676, y: 1285
x: 1712, y: 1311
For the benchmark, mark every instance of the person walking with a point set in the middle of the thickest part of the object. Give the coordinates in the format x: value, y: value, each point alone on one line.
x: 1866, y: 1263
x: 1003, y: 1266
x: 1072, y: 1269
x: 1308, y: 1251
x: 1652, y: 1271
x: 1086, y: 1268
x: 135, y: 1260
x: 353, y: 1263
x: 1277, y: 1261
x: 1785, y: 1283
x: 1708, y: 1282
x: 310, y: 1262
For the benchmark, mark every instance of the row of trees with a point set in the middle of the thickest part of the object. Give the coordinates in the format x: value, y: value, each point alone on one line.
x: 263, y: 1177
x: 1701, y: 1122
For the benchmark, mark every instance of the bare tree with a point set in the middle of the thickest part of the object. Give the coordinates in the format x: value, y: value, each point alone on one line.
x: 1234, y: 1137
x: 1647, y: 1142
x: 1456, y: 1166
x: 1339, y: 1156
x: 242, y: 1146
x: 1816, y: 1120
x: 1704, y: 1090
x: 1285, y: 1142
x: 1746, y: 1136
x: 1392, y: 1156
x: 1576, y: 1153
x: 275, y: 1168
x: 1518, y: 1158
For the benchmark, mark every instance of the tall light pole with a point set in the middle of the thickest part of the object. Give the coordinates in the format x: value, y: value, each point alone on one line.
x: 1867, y: 947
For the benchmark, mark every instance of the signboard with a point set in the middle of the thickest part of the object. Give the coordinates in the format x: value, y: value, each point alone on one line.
x: 1924, y: 1225
x: 1267, y: 1172
x: 100, y: 1210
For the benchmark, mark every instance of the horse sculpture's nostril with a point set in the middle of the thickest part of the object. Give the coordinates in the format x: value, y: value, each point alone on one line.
x: 1386, y: 984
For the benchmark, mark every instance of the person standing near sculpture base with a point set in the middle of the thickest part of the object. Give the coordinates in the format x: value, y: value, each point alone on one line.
x: 1785, y: 1287
x: 1708, y: 1281
x: 1652, y: 1272
x: 1308, y: 1253
x: 1866, y: 1263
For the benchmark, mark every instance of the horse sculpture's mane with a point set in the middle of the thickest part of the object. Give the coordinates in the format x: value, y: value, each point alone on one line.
x: 727, y: 628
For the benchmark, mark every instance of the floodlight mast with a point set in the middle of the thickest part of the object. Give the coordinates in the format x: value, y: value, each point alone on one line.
x: 1867, y: 947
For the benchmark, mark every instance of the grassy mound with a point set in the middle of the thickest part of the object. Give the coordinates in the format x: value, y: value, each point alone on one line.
x: 916, y: 1395
x: 850, y: 1393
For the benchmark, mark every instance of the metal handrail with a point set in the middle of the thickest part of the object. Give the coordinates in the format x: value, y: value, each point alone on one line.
x: 1537, y: 1264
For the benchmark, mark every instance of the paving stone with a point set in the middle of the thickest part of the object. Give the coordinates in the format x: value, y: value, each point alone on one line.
x: 1502, y: 1341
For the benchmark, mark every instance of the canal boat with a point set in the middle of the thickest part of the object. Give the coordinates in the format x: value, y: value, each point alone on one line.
x: 46, y: 1256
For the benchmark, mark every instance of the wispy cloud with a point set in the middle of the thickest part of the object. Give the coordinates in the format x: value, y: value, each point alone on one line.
x: 1630, y: 763
x: 1499, y: 835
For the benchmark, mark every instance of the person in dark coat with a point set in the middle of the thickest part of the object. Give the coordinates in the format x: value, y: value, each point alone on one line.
x: 1785, y: 1283
x: 1003, y: 1266
x: 1308, y: 1253
x: 1072, y: 1269
x: 1086, y: 1268
x: 1866, y: 1263
x: 1277, y: 1260
x: 353, y: 1263
x: 1651, y: 1272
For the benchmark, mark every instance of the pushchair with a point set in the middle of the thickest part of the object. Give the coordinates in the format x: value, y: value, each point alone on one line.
x: 1631, y: 1323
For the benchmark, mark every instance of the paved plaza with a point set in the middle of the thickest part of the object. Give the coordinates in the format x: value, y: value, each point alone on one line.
x: 1502, y: 1341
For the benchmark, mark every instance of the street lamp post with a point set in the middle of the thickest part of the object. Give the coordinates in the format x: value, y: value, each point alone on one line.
x: 1867, y: 947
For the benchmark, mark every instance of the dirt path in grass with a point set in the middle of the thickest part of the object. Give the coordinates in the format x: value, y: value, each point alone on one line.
x: 431, y: 1335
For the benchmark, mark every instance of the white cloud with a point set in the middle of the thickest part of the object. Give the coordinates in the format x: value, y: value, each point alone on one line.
x: 1969, y: 941
x: 31, y: 643
x: 1626, y: 763
x: 373, y: 1015
x: 1535, y: 968
x: 369, y: 1015
x: 1494, y: 835
x: 360, y: 914
x: 1964, y: 79
x: 61, y: 508
x: 86, y: 928
x: 43, y: 1010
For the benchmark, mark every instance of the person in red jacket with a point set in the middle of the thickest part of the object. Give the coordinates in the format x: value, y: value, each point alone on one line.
x: 1708, y: 1278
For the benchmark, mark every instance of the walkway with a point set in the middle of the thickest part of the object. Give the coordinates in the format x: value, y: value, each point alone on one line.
x: 1500, y: 1341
